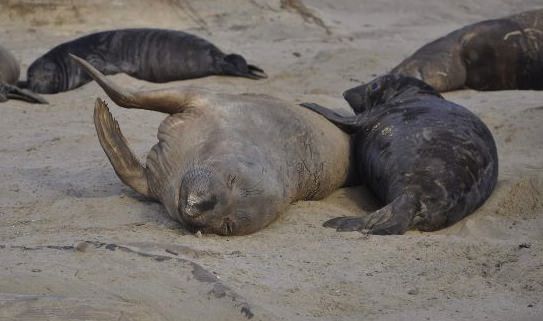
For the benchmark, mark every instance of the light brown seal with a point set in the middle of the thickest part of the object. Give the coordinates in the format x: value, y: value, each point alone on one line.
x: 225, y: 164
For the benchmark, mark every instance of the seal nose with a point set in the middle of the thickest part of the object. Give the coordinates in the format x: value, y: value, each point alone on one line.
x: 195, y: 205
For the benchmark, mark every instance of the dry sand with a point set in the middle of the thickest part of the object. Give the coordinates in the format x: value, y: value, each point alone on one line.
x: 58, y: 190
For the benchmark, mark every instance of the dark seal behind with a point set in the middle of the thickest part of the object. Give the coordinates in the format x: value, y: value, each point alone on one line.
x: 498, y: 54
x: 155, y: 55
x: 432, y: 162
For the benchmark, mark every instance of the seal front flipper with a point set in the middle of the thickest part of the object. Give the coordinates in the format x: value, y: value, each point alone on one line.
x: 13, y: 92
x: 124, y: 162
x: 349, y: 124
x: 170, y: 101
x: 395, y: 218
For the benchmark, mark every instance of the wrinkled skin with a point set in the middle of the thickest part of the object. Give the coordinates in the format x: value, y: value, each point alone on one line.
x: 496, y: 54
x: 430, y: 161
x: 155, y: 55
x: 225, y: 164
x: 9, y: 74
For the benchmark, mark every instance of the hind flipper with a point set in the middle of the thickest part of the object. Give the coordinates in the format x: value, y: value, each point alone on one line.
x: 124, y: 162
x: 256, y: 72
x: 8, y: 91
x: 170, y: 101
x: 395, y: 218
x: 349, y: 124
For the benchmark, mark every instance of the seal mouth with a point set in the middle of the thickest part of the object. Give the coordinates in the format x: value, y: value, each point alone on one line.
x: 227, y: 227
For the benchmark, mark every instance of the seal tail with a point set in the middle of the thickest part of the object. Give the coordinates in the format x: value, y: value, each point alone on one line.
x: 14, y: 92
x: 395, y: 218
x: 124, y: 162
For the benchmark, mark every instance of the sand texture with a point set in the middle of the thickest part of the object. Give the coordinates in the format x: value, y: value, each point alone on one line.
x: 76, y: 244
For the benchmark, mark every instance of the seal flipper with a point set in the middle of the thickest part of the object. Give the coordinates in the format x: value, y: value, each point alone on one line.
x: 395, y: 218
x: 13, y: 92
x: 256, y: 72
x: 170, y: 101
x: 124, y: 162
x: 349, y: 124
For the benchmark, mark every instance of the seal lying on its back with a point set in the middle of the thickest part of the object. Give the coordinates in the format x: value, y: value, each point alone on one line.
x: 225, y: 164
x: 496, y: 54
x: 431, y: 161
x: 9, y: 74
x: 154, y: 55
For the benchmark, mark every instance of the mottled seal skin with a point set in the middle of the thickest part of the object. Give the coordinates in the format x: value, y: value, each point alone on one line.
x: 496, y: 54
x: 431, y: 162
x: 225, y: 164
x: 9, y: 74
x: 155, y: 55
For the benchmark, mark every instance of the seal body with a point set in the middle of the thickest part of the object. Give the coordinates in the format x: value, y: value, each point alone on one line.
x: 155, y: 55
x: 9, y: 74
x: 498, y: 54
x: 431, y: 162
x: 226, y: 164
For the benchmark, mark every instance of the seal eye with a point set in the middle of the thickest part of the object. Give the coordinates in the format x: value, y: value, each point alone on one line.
x: 374, y: 86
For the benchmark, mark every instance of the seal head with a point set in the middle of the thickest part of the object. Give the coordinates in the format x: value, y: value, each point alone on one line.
x: 204, y: 202
x: 385, y: 89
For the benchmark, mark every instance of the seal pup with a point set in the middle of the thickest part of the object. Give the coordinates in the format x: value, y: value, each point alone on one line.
x: 431, y: 162
x: 9, y: 74
x: 498, y: 54
x: 225, y: 164
x: 155, y: 55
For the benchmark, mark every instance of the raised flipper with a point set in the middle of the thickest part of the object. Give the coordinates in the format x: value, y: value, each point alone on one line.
x: 395, y: 218
x: 349, y: 124
x: 8, y: 91
x: 124, y: 162
x: 170, y: 101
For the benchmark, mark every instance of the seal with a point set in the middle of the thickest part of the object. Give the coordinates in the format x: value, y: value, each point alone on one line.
x: 431, y: 162
x: 498, y: 54
x: 225, y: 164
x: 155, y: 55
x: 9, y: 74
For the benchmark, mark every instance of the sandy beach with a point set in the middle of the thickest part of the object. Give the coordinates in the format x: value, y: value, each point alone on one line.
x: 77, y: 244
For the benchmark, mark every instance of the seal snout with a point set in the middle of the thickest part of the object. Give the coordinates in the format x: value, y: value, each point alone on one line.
x: 202, y: 197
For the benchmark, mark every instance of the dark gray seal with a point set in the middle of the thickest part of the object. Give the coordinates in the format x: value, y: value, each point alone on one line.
x: 9, y: 74
x: 431, y: 162
x: 495, y: 54
x: 225, y: 164
x: 155, y: 55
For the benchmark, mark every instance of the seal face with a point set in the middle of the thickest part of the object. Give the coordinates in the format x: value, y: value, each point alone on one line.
x: 431, y: 162
x: 9, y: 74
x: 155, y: 55
x: 498, y: 54
x: 225, y: 164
